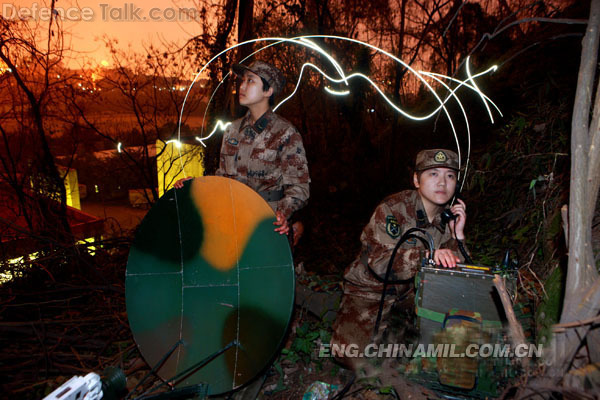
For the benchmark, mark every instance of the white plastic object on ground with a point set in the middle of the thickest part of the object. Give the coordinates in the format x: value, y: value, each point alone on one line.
x: 87, y: 387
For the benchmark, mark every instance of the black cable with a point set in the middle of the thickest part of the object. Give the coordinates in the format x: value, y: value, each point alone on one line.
x: 407, y: 235
x: 345, y: 389
x: 461, y: 245
x: 396, y: 281
x: 463, y: 251
x: 429, y: 243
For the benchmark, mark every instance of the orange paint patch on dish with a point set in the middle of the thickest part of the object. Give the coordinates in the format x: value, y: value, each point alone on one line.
x: 226, y: 233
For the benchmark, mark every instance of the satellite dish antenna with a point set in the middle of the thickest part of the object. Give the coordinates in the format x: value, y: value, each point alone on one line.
x: 209, y: 285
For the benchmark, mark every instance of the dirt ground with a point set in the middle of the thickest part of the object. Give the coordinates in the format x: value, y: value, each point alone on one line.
x: 311, y: 378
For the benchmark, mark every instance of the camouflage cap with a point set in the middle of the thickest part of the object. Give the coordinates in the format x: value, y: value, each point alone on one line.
x: 435, y: 158
x: 269, y: 73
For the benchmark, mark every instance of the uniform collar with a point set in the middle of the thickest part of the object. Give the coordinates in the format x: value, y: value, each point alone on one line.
x: 260, y: 124
x: 423, y: 219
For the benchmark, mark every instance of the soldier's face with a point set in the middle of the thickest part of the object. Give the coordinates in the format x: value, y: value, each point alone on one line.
x: 251, y: 90
x: 436, y: 185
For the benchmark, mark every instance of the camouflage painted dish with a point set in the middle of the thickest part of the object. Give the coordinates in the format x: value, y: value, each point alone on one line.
x: 207, y: 268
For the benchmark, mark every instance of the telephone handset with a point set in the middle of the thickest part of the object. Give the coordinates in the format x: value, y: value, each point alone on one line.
x: 447, y: 215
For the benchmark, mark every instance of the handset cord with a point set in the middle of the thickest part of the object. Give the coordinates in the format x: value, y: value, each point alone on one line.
x: 461, y: 247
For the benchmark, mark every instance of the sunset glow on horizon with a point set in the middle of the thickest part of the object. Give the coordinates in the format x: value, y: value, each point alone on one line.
x: 134, y: 25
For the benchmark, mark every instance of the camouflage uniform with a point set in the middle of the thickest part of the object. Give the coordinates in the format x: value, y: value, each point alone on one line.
x: 397, y: 213
x: 269, y: 157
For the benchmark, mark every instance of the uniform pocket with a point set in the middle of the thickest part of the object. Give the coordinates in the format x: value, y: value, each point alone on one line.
x: 228, y: 158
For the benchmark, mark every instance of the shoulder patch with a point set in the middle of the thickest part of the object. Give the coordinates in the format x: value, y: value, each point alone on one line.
x: 232, y: 141
x: 391, y: 226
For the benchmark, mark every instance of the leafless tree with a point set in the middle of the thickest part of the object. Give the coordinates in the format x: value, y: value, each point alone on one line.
x: 31, y: 54
x: 138, y: 101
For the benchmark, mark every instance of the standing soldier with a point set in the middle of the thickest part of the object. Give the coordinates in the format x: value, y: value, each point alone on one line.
x: 264, y: 150
x: 435, y: 180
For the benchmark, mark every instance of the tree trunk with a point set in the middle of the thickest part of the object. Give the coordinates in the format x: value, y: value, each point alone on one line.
x: 245, y: 25
x: 582, y: 293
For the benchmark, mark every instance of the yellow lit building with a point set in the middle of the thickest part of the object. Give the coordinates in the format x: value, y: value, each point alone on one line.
x: 173, y: 158
x: 71, y: 186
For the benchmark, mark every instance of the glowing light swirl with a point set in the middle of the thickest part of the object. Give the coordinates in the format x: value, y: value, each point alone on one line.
x: 345, y: 79
x: 220, y: 124
x: 302, y: 69
x: 462, y: 109
x: 272, y: 39
x: 176, y: 142
x: 463, y: 83
x: 305, y: 41
x: 478, y: 91
x: 337, y: 93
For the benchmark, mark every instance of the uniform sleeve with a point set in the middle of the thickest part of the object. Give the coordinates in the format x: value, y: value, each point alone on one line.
x: 295, y: 177
x: 380, y: 240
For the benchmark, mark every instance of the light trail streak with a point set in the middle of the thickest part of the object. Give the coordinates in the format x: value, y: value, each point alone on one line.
x: 462, y: 109
x: 485, y: 99
x: 452, y: 93
x: 478, y: 91
x: 336, y: 93
x: 201, y: 140
x: 344, y: 78
x: 304, y: 66
x: 219, y: 124
x: 386, y: 98
x: 178, y: 145
x: 297, y: 40
x: 275, y: 39
x: 463, y: 83
x: 176, y: 142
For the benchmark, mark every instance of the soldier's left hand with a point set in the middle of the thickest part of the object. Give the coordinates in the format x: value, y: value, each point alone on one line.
x: 458, y: 225
x: 282, y: 221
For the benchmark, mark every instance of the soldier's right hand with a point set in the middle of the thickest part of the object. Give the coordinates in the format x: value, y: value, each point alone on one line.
x: 179, y: 183
x: 446, y: 258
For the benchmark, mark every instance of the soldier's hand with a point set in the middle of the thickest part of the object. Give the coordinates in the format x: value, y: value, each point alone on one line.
x: 179, y: 183
x: 282, y: 221
x: 446, y: 258
x: 458, y: 226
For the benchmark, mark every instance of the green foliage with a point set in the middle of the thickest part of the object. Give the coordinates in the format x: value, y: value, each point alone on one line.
x: 305, y: 346
x: 517, y: 187
x: 309, y: 336
x: 386, y: 390
x: 305, y: 340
